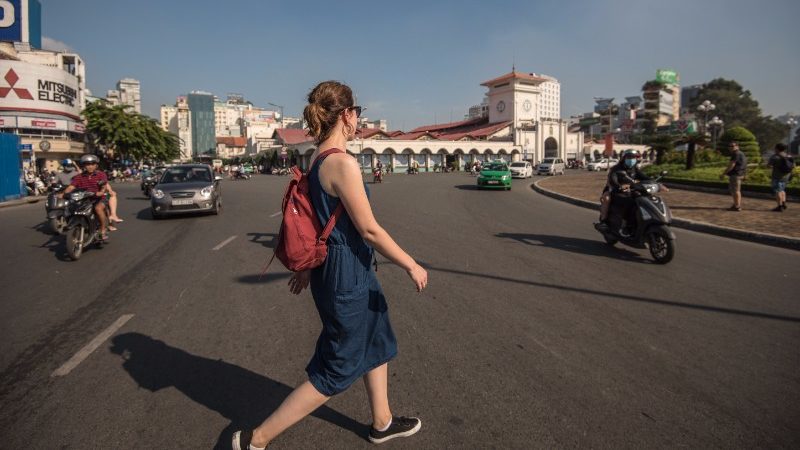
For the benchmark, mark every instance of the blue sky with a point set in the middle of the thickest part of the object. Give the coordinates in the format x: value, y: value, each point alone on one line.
x: 414, y: 62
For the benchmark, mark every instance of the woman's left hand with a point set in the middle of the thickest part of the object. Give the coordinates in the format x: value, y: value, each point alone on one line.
x: 299, y: 281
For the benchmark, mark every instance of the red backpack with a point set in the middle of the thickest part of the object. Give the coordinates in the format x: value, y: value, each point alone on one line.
x: 302, y: 242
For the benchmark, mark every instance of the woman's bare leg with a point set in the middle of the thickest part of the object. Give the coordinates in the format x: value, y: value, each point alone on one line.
x: 300, y: 403
x: 377, y: 384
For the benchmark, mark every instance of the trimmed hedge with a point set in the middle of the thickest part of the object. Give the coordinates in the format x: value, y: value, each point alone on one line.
x: 707, y: 175
x: 746, y: 140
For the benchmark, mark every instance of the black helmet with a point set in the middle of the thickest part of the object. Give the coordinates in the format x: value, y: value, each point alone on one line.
x: 88, y: 159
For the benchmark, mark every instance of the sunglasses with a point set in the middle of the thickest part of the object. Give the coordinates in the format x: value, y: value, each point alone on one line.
x: 358, y: 110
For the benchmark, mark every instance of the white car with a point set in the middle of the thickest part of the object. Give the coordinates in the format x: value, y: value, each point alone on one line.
x: 551, y: 166
x: 521, y: 169
x: 601, y: 164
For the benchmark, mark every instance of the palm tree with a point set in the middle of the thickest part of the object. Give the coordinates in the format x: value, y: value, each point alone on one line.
x: 692, y: 140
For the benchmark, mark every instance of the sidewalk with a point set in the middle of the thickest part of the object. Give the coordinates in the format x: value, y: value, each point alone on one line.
x: 700, y: 207
x: 23, y: 201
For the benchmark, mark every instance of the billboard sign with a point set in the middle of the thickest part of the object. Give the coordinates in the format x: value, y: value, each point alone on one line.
x: 667, y: 76
x: 41, y: 124
x: 21, y: 21
x: 8, y: 122
x: 37, y: 88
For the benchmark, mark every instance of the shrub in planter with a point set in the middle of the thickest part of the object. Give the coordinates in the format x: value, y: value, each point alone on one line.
x: 746, y: 140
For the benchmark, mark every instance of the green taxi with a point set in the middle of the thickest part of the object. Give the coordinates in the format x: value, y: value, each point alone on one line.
x: 495, y: 175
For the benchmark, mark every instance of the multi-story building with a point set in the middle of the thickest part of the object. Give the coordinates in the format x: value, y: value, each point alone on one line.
x: 42, y: 94
x: 476, y: 111
x: 201, y: 107
x: 130, y: 93
x: 112, y: 97
x: 550, y: 99
x: 178, y: 121
x: 662, y: 98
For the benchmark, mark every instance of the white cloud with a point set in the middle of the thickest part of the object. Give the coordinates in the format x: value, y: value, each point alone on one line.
x: 55, y: 45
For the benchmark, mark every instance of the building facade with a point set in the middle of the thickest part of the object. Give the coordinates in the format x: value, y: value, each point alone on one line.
x: 178, y: 121
x: 201, y: 107
x: 42, y: 94
x: 130, y: 93
x: 513, y: 130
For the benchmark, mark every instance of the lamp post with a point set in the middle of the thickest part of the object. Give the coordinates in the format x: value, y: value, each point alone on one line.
x: 715, y: 124
x: 791, y: 122
x: 705, y: 108
x: 279, y: 107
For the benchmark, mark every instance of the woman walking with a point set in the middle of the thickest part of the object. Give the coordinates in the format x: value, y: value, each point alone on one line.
x: 356, y: 339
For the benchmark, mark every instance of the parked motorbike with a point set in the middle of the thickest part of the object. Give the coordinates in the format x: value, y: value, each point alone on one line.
x: 652, y: 227
x: 83, y: 227
x: 377, y: 175
x: 56, y: 209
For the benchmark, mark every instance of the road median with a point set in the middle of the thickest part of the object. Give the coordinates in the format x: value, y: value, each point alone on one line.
x: 579, y: 195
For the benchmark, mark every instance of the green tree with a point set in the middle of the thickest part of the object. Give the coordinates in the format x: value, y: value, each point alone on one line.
x: 746, y: 140
x: 127, y: 134
x: 737, y: 107
x: 661, y: 144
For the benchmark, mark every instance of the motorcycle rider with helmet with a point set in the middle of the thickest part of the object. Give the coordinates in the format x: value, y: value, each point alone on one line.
x: 96, y: 181
x: 620, y: 178
x: 67, y: 173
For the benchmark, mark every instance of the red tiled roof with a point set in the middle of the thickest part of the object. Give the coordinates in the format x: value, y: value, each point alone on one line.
x: 450, y: 125
x: 514, y: 76
x: 293, y: 136
x: 413, y: 136
x: 366, y: 133
x: 232, y: 141
x: 474, y: 133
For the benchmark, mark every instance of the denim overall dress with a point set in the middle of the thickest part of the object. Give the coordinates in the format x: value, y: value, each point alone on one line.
x: 356, y: 334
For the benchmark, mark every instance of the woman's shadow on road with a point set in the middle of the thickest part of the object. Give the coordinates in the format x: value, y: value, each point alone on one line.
x: 243, y: 397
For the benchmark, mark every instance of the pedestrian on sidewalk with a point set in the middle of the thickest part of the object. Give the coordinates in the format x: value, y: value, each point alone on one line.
x: 782, y: 166
x: 357, y: 340
x: 736, y: 173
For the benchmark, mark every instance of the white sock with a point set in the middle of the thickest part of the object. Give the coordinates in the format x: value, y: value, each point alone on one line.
x: 253, y: 447
x: 387, y: 426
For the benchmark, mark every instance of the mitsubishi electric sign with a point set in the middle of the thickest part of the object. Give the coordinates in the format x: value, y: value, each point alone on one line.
x: 26, y: 87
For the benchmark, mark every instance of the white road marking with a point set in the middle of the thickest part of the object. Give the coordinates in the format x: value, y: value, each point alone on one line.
x: 84, y: 353
x: 276, y: 214
x: 224, y: 243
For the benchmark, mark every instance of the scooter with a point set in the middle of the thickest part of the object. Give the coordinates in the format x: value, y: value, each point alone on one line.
x: 652, y: 228
x: 377, y: 175
x: 83, y: 227
x: 56, y: 208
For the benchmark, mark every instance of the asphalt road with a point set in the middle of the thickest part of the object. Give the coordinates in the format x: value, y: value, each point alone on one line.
x: 532, y: 333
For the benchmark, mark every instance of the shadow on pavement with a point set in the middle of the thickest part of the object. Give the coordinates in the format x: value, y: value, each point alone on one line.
x: 58, y: 245
x: 607, y: 295
x: 266, y: 278
x: 576, y: 245
x: 467, y: 187
x: 241, y: 396
x: 268, y: 240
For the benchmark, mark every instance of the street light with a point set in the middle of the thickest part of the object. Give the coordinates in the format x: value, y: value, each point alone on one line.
x: 791, y: 122
x: 715, y: 124
x: 705, y: 108
x: 279, y: 107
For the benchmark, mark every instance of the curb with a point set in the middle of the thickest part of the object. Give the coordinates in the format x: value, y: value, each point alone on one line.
x: 22, y: 201
x: 774, y: 240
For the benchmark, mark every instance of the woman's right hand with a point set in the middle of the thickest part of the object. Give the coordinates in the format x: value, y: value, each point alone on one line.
x: 419, y: 276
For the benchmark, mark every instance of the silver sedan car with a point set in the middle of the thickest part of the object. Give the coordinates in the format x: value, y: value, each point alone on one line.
x: 186, y: 188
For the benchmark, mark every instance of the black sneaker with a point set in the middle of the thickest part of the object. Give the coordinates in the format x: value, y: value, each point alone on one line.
x: 400, y: 427
x: 783, y: 206
x: 778, y: 209
x: 241, y: 440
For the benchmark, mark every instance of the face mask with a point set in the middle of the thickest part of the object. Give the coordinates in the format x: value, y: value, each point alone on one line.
x: 630, y: 163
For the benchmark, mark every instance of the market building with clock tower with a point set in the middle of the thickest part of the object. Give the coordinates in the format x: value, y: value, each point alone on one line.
x: 521, y: 122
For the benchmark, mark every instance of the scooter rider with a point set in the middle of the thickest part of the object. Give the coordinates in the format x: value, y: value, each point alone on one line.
x: 95, y: 181
x: 620, y: 178
x: 67, y: 173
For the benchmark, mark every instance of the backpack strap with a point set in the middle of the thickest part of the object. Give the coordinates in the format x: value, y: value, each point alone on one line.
x: 324, y: 155
x: 326, y: 232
